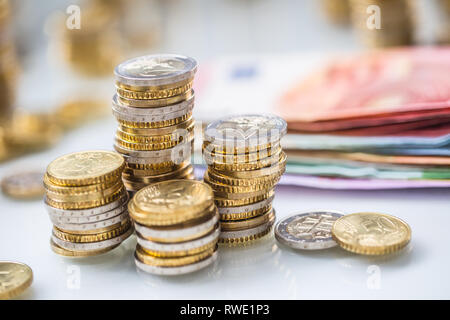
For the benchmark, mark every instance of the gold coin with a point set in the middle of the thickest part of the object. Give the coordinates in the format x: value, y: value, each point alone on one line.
x: 68, y: 253
x: 182, y: 200
x: 158, y: 132
x: 155, y: 172
x: 153, y: 88
x: 236, y: 150
x: 85, y: 204
x: 83, y: 197
x: 240, y: 158
x: 147, y: 146
x: 24, y: 185
x: 85, y: 168
x: 157, y: 124
x: 52, y: 188
x: 83, y: 238
x: 245, y: 200
x: 219, y: 187
x: 182, y: 171
x: 223, y: 179
x: 14, y: 279
x: 243, y: 240
x: 140, y: 138
x: 180, y: 254
x: 248, y: 166
x: 247, y: 223
x: 156, y: 103
x: 371, y: 233
x: 147, y: 93
x: 226, y: 217
x: 148, y: 259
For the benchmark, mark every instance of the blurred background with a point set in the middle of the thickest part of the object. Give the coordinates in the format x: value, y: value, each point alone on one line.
x: 367, y: 101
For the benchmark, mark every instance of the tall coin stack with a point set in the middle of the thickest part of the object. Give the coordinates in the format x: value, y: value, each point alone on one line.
x: 87, y: 203
x: 177, y: 226
x: 396, y: 22
x: 8, y: 62
x: 153, y: 106
x: 245, y: 161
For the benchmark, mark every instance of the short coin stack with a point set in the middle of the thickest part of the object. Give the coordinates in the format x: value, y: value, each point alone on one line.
x: 396, y: 22
x: 87, y: 203
x: 177, y: 226
x: 245, y: 161
x: 153, y: 106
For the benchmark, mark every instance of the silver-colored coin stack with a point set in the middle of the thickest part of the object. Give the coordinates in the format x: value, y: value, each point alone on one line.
x: 153, y: 105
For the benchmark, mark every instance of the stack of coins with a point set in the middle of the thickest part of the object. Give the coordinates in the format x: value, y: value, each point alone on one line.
x: 245, y: 161
x: 396, y: 22
x: 177, y: 227
x: 153, y: 106
x: 87, y: 203
x: 9, y: 69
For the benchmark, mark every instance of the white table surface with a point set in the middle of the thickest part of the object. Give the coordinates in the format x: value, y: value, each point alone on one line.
x: 265, y: 270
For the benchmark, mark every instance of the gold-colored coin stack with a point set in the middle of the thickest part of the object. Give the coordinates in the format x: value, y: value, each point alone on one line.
x: 177, y: 227
x: 443, y: 36
x: 396, y: 22
x: 9, y: 69
x: 87, y: 203
x: 245, y: 161
x: 153, y: 106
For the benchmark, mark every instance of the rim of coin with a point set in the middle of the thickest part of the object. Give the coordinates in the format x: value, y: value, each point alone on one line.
x: 179, y: 151
x: 244, y: 236
x: 156, y: 103
x: 154, y: 93
x: 245, y: 157
x: 180, y: 172
x: 155, y: 124
x: 86, y: 196
x: 223, y: 178
x: 122, y: 108
x: 177, y: 234
x: 92, y: 227
x: 222, y: 187
x: 147, y: 71
x: 92, y: 246
x: 249, y: 223
x: 78, y: 254
x: 180, y: 246
x: 172, y: 86
x: 15, y: 278
x: 95, y: 237
x: 23, y: 185
x: 88, y: 218
x: 185, y: 125
x: 148, y: 146
x: 371, y: 233
x: 174, y: 271
x: 93, y: 188
x: 172, y: 262
x: 80, y: 213
x: 249, y: 166
x: 136, y: 186
x: 304, y: 240
x: 85, y: 168
x: 153, y: 118
x: 177, y: 135
x: 246, y: 130
x: 246, y: 208
x: 158, y: 161
x: 236, y: 151
x: 194, y: 196
x: 224, y: 199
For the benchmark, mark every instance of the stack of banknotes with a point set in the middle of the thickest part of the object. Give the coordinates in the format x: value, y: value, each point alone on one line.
x: 372, y: 120
x: 379, y: 121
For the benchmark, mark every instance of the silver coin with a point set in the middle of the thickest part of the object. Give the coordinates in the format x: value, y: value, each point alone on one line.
x: 245, y: 130
x: 155, y: 70
x: 308, y: 231
x: 77, y: 213
x: 131, y: 110
x: 152, y: 118
x: 92, y: 225
x: 173, y: 271
x: 182, y: 246
x: 176, y: 233
x: 247, y: 232
x: 91, y: 246
x: 89, y: 218
x: 171, y: 154
x: 247, y: 208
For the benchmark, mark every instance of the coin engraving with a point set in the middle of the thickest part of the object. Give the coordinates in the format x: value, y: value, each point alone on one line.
x: 14, y: 278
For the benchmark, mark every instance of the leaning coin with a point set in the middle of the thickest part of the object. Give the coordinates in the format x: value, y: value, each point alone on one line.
x: 371, y: 233
x: 14, y: 279
x: 308, y: 231
x: 24, y: 185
